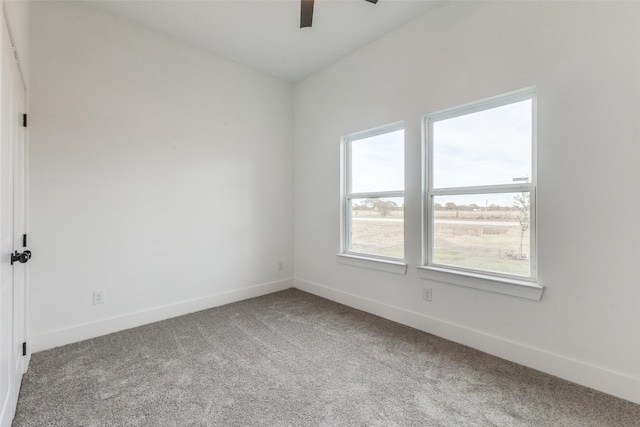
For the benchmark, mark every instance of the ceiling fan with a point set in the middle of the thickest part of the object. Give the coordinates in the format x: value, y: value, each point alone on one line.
x: 306, y: 12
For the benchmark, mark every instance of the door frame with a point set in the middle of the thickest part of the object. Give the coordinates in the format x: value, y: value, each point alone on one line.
x: 13, y: 287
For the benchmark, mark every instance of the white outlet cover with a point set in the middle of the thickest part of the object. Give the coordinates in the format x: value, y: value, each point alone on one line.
x: 98, y: 297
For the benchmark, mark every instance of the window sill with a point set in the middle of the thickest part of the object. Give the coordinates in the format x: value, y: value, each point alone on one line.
x: 513, y: 287
x: 389, y: 266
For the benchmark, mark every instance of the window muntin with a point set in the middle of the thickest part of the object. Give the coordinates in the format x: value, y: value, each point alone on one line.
x: 480, y: 192
x: 373, y: 213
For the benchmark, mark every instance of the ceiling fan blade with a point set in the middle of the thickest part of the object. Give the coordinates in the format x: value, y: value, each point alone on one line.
x: 306, y: 13
x: 372, y: 1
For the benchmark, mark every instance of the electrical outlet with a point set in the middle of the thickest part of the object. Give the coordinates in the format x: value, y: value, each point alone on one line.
x: 426, y: 294
x: 281, y: 265
x: 98, y: 297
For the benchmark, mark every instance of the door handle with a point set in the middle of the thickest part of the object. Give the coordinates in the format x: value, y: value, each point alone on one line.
x: 21, y: 257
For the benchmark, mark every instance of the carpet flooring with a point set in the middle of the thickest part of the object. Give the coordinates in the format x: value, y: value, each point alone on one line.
x: 294, y: 359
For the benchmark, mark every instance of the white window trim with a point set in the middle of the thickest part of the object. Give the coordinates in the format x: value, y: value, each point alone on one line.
x: 381, y: 264
x: 526, y: 287
x: 505, y: 286
x: 346, y: 256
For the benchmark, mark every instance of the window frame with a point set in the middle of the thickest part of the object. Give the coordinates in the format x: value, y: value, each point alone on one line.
x: 346, y: 255
x: 464, y: 276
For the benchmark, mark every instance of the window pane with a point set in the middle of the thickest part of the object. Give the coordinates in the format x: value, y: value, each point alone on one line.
x: 488, y: 147
x: 377, y: 226
x: 377, y: 163
x: 483, y: 232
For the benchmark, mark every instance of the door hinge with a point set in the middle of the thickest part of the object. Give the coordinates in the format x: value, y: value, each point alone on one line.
x: 24, y: 348
x: 24, y: 120
x: 24, y: 240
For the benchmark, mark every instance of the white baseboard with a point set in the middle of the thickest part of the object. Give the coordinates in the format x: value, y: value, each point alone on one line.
x: 601, y: 379
x: 56, y: 338
x: 5, y: 412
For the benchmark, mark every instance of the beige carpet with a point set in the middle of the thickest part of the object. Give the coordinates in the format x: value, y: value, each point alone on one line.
x: 293, y: 359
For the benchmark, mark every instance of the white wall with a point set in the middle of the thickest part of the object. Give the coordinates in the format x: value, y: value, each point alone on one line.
x: 584, y: 59
x: 159, y: 173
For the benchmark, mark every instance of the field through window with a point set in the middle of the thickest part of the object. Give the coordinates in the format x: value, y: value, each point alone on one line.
x: 377, y: 226
x: 494, y: 236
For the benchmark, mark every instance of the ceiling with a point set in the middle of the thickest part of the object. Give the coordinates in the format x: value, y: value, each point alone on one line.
x: 265, y: 34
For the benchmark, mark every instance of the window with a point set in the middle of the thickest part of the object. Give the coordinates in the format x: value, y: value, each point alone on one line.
x: 480, y: 189
x: 373, y: 193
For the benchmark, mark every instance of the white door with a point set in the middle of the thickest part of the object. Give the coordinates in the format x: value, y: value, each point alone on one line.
x: 6, y: 239
x: 12, y: 202
x: 19, y: 233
